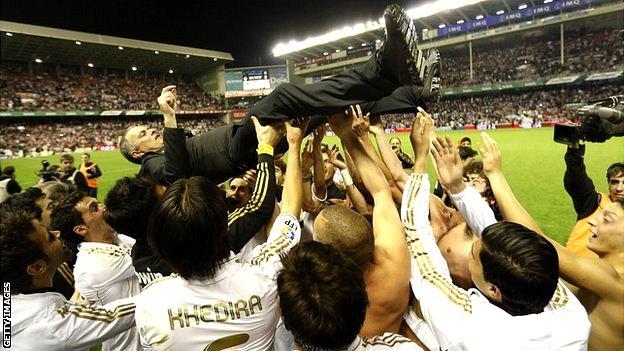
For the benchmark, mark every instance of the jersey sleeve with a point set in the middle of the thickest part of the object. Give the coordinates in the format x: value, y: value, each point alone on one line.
x: 284, y: 235
x: 83, y: 326
x: 445, y: 307
x: 474, y: 209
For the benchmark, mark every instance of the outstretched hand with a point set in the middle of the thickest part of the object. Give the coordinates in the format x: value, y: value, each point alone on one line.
x: 450, y: 167
x: 491, y: 155
x: 269, y: 134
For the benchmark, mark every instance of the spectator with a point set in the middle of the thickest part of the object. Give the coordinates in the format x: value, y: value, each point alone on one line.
x: 91, y: 172
x: 8, y: 184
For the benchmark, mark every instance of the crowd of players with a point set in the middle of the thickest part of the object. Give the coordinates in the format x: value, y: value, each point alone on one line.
x: 72, y: 91
x: 375, y: 254
x: 537, y: 57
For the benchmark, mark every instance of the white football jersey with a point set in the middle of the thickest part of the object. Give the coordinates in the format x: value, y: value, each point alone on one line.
x: 104, y: 273
x: 235, y: 309
x: 47, y: 321
x: 465, y: 319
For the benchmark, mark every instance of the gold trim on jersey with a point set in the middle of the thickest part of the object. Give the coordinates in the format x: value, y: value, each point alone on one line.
x: 97, y: 313
x: 113, y: 251
x: 389, y: 340
x: 257, y: 197
x: 421, y: 256
x: 271, y: 249
x: 560, y: 298
x: 66, y: 273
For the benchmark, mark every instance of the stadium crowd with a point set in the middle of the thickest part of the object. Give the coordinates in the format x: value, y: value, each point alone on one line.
x: 32, y: 138
x: 538, y: 57
x: 71, y: 91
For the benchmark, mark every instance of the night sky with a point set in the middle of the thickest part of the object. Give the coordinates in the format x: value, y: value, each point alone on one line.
x: 247, y: 29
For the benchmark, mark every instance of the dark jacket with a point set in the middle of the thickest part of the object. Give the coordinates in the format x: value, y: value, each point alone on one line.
x: 206, y: 155
x: 578, y: 184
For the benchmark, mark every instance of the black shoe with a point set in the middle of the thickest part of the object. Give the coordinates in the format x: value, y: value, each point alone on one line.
x: 430, y: 76
x: 401, y: 60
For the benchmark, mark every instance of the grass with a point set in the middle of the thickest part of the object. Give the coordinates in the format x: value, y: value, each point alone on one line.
x: 532, y: 162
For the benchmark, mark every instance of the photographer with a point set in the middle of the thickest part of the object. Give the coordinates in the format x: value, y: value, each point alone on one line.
x: 587, y: 201
x: 72, y: 175
x: 91, y: 172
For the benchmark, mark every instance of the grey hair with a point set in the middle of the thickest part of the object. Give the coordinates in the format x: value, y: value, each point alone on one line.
x: 126, y: 147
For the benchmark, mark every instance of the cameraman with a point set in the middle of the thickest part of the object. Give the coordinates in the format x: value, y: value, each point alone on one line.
x: 91, y: 172
x: 587, y: 201
x: 72, y: 175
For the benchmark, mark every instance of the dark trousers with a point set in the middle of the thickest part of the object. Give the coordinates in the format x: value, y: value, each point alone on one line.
x: 362, y: 85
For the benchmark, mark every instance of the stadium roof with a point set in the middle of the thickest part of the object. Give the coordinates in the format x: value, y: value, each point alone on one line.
x: 428, y: 16
x: 25, y: 42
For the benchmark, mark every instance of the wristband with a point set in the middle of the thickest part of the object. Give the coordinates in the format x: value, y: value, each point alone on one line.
x: 346, y: 177
x: 265, y: 149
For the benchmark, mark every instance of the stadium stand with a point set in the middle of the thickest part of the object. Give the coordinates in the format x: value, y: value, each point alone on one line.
x: 43, y: 91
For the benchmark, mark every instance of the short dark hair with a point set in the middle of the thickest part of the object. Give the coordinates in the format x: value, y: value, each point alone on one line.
x: 615, y: 169
x: 522, y: 264
x: 8, y: 170
x: 279, y: 163
x: 56, y: 190
x: 465, y: 152
x: 188, y: 228
x: 126, y: 147
x: 322, y: 296
x: 129, y: 205
x: 19, y: 249
x: 67, y: 157
x: 475, y: 167
x: 348, y: 232
x: 465, y: 139
x: 65, y: 217
x: 26, y: 201
x: 86, y: 153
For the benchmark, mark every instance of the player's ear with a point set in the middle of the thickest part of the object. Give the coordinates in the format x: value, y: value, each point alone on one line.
x: 136, y: 153
x: 37, y: 268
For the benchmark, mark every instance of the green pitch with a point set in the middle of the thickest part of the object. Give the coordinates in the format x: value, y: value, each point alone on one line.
x: 532, y: 162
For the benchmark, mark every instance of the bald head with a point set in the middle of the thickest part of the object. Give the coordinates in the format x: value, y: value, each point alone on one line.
x: 347, y: 231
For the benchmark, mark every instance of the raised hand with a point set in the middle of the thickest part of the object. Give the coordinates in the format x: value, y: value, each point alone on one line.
x: 319, y: 134
x: 450, y: 168
x: 361, y: 122
x: 420, y: 136
x: 376, y: 125
x: 294, y: 134
x: 491, y: 155
x: 335, y: 158
x: 340, y: 123
x: 269, y: 134
x: 307, y: 156
x: 167, y: 101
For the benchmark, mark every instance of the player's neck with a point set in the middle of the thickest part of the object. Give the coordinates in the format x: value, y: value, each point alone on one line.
x: 616, y: 260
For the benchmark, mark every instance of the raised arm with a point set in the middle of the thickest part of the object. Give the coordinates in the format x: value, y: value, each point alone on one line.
x: 468, y: 201
x: 319, y: 188
x: 592, y: 274
x: 578, y: 184
x: 388, y: 156
x: 390, y: 245
x: 246, y: 221
x: 292, y: 194
x: 358, y: 200
x: 177, y: 159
